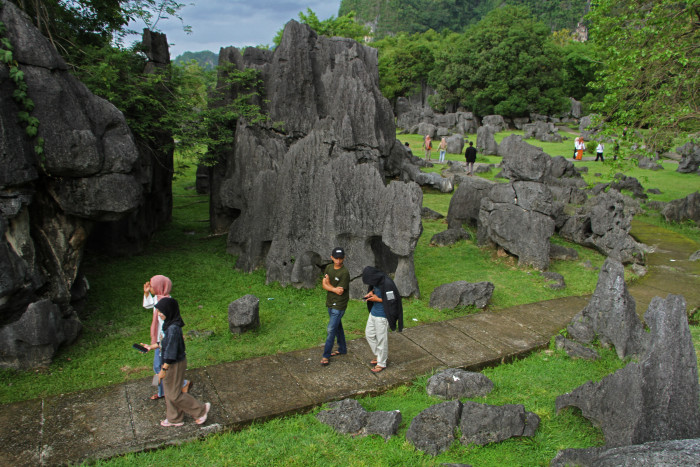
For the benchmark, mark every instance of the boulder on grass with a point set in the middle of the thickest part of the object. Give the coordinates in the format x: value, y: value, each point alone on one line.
x: 455, y: 383
x: 461, y: 293
x: 244, y: 314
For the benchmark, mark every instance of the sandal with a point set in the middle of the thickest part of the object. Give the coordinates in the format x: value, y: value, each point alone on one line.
x: 372, y: 362
x: 335, y: 353
x: 377, y: 369
x: 325, y: 361
x: 203, y: 418
x: 155, y: 397
x: 166, y: 422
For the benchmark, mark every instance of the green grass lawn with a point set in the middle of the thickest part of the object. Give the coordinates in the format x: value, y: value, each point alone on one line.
x: 205, y: 281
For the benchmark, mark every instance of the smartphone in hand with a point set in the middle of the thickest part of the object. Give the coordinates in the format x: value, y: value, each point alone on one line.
x: 140, y: 348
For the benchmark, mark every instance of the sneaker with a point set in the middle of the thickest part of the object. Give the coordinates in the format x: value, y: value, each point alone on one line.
x: 203, y: 418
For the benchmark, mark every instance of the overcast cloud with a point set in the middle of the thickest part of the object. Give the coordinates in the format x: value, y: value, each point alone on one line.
x: 221, y: 23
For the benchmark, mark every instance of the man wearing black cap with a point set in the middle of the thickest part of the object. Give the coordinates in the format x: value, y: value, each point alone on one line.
x: 336, y: 281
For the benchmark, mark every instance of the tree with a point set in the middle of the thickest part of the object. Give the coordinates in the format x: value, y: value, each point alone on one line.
x: 343, y: 26
x: 650, y: 71
x: 506, y: 64
x: 405, y: 62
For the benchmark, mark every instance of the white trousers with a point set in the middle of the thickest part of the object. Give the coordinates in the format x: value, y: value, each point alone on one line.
x: 377, y: 335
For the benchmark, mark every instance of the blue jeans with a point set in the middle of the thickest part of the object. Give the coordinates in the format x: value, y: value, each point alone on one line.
x: 335, y: 331
x: 156, y: 367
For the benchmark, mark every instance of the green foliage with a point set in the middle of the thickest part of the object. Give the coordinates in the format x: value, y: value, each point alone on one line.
x: 649, y: 73
x: 342, y: 26
x: 578, y: 67
x: 71, y: 25
x: 392, y: 17
x: 152, y: 11
x: 405, y: 62
x: 504, y: 65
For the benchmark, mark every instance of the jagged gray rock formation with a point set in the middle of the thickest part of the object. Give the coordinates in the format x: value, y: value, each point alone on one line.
x: 690, y: 158
x: 574, y: 349
x: 455, y: 383
x: 433, y: 430
x: 449, y: 237
x: 461, y: 293
x: 288, y: 193
x: 244, y: 314
x: 349, y: 417
x: 90, y: 173
x: 679, y: 210
x: 483, y: 424
x: 486, y: 141
x: 677, y: 453
x: 466, y: 201
x: 523, y: 161
x: 542, y: 131
x: 655, y: 399
x: 604, y: 223
x: 517, y: 217
x: 610, y: 314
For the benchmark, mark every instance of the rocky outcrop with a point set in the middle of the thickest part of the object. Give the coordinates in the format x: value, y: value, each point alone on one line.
x: 542, y: 131
x: 455, y: 383
x: 90, y: 172
x: 349, y: 417
x: 604, y: 223
x: 655, y: 399
x: 486, y: 141
x: 315, y: 175
x: 611, y: 314
x: 518, y: 217
x: 683, y: 209
x: 466, y: 202
x: 678, y: 453
x: 461, y: 293
x: 690, y: 158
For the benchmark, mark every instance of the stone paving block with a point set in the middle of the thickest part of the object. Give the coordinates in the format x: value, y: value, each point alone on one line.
x: 20, y: 428
x: 406, y: 361
x: 451, y: 346
x: 545, y: 321
x: 146, y: 414
x: 86, y: 425
x: 508, y: 336
x: 258, y: 388
x: 344, y: 377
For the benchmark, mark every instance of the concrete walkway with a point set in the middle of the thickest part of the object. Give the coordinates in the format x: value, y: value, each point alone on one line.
x: 114, y: 420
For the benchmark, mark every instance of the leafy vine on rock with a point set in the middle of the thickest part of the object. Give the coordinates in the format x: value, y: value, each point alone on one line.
x: 31, y: 124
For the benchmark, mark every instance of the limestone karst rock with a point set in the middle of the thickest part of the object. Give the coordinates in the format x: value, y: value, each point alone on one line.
x: 314, y: 175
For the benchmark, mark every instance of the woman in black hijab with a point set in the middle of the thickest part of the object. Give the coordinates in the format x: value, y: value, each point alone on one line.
x: 172, y: 373
x: 385, y: 312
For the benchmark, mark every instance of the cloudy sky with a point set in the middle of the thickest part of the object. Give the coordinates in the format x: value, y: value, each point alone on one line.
x: 220, y: 23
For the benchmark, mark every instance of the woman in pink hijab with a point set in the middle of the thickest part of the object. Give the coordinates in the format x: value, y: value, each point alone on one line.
x: 157, y: 288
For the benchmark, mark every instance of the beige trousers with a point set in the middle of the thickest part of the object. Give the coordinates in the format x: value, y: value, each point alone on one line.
x: 377, y: 335
x: 178, y: 403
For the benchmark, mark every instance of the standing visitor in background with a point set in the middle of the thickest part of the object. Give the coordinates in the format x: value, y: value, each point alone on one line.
x: 599, y: 152
x: 580, y: 147
x: 470, y: 155
x: 427, y: 145
x: 443, y: 149
x: 336, y: 282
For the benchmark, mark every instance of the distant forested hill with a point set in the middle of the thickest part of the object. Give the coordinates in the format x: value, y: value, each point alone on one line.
x: 389, y: 17
x: 206, y: 59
